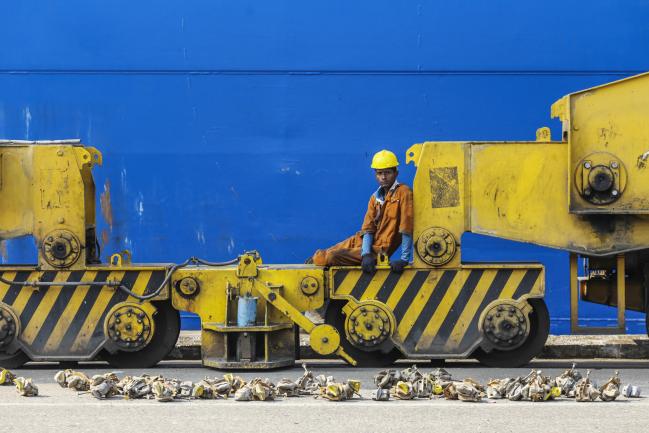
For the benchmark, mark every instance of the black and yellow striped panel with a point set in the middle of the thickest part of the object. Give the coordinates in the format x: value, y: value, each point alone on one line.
x: 68, y: 321
x: 437, y: 311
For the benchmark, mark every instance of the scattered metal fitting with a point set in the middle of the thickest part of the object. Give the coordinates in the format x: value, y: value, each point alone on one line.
x: 631, y: 391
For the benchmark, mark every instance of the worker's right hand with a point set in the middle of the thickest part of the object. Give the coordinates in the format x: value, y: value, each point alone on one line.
x: 368, y: 263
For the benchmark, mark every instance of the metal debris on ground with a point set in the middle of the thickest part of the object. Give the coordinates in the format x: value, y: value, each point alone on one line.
x: 585, y: 390
x: 256, y: 390
x: 631, y: 391
x: 611, y: 389
x: 26, y: 387
x: 7, y: 377
x: 72, y: 379
x: 406, y: 384
x: 567, y: 381
x: 338, y: 391
x: 104, y: 385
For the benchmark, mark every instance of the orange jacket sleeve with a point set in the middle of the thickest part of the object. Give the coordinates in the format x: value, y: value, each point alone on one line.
x: 406, y: 212
x: 369, y: 224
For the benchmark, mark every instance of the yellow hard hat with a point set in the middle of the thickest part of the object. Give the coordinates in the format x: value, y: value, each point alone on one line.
x: 384, y: 159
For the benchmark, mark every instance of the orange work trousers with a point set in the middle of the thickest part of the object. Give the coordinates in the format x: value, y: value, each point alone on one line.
x: 345, y: 253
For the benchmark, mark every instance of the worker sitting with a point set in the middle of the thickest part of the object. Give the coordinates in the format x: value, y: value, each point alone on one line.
x: 388, y: 223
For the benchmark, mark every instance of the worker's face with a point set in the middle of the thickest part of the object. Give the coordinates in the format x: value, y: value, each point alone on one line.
x: 386, y: 177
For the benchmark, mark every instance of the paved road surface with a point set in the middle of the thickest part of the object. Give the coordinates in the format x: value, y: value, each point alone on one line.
x: 62, y: 410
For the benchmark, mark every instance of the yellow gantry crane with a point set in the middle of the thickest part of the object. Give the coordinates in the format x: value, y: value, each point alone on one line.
x: 587, y: 194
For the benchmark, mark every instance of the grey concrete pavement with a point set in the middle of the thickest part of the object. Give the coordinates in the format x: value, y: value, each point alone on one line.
x: 632, y: 346
x: 62, y: 410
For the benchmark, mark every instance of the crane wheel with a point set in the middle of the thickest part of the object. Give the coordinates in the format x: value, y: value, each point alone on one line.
x: 15, y: 360
x: 167, y: 328
x: 531, y: 347
x: 335, y: 317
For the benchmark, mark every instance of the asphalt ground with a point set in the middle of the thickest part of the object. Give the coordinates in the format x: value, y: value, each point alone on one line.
x: 62, y: 410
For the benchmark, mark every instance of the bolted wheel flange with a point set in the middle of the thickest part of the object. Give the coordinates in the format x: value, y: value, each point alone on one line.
x: 9, y: 326
x: 600, y: 178
x: 505, y: 325
x: 130, y: 326
x: 61, y: 248
x: 368, y: 325
x: 436, y: 246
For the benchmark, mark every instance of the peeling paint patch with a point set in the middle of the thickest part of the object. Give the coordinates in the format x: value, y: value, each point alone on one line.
x: 106, y: 205
x: 200, y: 235
x: 28, y: 121
x: 104, y: 237
x: 230, y: 246
x: 139, y: 205
x: 3, y: 252
x: 122, y: 177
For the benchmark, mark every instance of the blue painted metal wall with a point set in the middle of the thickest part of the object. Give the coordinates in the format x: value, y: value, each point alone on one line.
x: 228, y: 125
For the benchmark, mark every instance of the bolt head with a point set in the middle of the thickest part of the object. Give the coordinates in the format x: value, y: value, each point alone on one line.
x: 614, y: 193
x: 587, y: 165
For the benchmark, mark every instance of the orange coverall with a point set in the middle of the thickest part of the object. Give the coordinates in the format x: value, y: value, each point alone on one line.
x: 386, y: 221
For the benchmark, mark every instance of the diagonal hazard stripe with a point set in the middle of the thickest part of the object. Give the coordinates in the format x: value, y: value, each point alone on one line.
x: 493, y: 292
x: 339, y: 277
x: 35, y: 299
x: 24, y: 294
x: 512, y: 284
x: 527, y: 283
x: 78, y: 295
x: 469, y: 311
x: 34, y: 318
x: 361, y: 284
x: 96, y: 312
x: 97, y: 335
x: 401, y: 288
x: 349, y: 281
x: 12, y: 292
x: 4, y: 288
x: 88, y: 303
x: 430, y: 307
x: 409, y: 294
x: 388, y: 286
x: 458, y: 307
x: 374, y: 286
x: 55, y: 312
x: 141, y: 285
x: 157, y: 277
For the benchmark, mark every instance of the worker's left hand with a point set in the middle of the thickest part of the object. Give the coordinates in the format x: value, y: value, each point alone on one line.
x: 368, y: 263
x: 398, y: 265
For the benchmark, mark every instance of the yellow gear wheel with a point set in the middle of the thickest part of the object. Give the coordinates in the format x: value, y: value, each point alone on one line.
x: 324, y: 339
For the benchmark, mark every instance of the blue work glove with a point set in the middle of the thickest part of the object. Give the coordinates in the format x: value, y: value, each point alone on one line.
x: 368, y: 263
x: 398, y: 265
